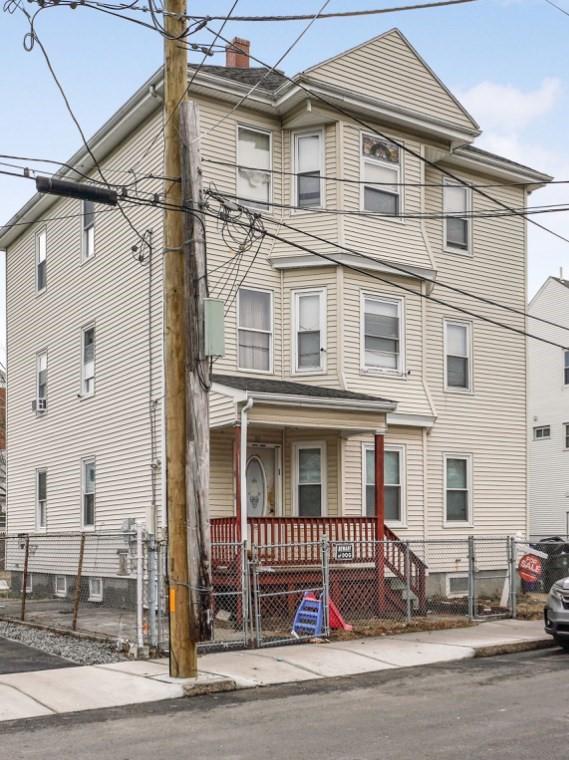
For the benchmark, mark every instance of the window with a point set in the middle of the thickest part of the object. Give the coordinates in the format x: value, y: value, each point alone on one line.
x: 566, y: 435
x: 41, y: 382
x: 457, y: 356
x: 255, y: 329
x: 456, y: 206
x: 381, y: 163
x: 310, y: 331
x: 457, y: 585
x: 95, y: 589
x: 41, y: 499
x: 381, y: 328
x: 457, y: 481
x: 88, y: 220
x: 29, y: 583
x: 253, y: 172
x: 41, y: 261
x: 541, y: 433
x: 566, y: 367
x: 310, y: 479
x: 307, y: 168
x: 88, y: 361
x: 393, y: 469
x: 60, y: 585
x: 88, y: 486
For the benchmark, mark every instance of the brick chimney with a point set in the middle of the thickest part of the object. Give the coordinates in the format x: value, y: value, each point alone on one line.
x: 237, y: 54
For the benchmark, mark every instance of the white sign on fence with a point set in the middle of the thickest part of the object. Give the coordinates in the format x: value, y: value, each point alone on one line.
x: 344, y: 551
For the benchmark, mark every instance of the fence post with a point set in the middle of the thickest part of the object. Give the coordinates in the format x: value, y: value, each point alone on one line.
x: 512, y: 560
x: 325, y: 552
x: 139, y: 587
x: 160, y: 593
x: 408, y: 581
x: 25, y: 577
x: 256, y: 599
x: 471, y: 579
x: 152, y: 588
x: 78, y: 582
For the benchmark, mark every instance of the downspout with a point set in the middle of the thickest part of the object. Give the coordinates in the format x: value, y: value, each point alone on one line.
x: 243, y: 466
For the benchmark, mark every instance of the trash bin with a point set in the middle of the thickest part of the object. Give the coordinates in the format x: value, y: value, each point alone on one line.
x: 556, y: 566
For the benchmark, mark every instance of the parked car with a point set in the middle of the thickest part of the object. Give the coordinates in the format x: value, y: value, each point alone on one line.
x: 556, y: 612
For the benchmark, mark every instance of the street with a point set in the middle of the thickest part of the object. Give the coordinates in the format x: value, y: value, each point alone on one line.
x: 506, y: 707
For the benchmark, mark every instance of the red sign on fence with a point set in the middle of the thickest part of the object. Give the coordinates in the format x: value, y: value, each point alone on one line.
x: 530, y: 568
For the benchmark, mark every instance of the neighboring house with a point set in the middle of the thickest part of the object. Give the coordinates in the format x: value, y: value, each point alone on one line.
x: 548, y: 412
x: 322, y: 363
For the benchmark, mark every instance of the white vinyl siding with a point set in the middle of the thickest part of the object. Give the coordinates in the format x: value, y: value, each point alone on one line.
x: 457, y: 203
x: 382, y: 334
x: 309, y: 331
x: 88, y: 488
x: 88, y: 229
x: 310, y: 468
x: 394, y: 483
x: 458, y: 489
x: 254, y: 179
x: 380, y: 175
x: 541, y: 432
x: 255, y: 330
x: 41, y: 260
x: 41, y: 382
x: 458, y: 355
x: 308, y: 162
x: 88, y: 361
x: 41, y: 499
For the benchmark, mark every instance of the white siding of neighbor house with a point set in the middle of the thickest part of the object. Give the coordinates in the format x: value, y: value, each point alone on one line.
x: 548, y: 405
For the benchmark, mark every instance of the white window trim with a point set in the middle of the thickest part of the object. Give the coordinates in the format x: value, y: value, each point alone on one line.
x: 60, y: 594
x: 294, y: 152
x: 541, y: 427
x: 296, y: 294
x: 468, y: 251
x: 42, y: 412
x: 565, y: 431
x: 39, y: 291
x: 254, y: 128
x: 29, y: 584
x: 84, y: 257
x: 84, y: 462
x: 454, y: 594
x: 469, y: 391
x: 92, y: 596
x: 40, y: 528
x: 82, y: 393
x: 400, y: 218
x: 296, y: 448
x: 270, y: 371
x: 401, y: 449
x: 458, y: 523
x: 400, y: 371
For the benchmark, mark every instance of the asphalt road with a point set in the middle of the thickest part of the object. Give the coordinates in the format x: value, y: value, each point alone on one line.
x: 19, y: 658
x: 512, y: 707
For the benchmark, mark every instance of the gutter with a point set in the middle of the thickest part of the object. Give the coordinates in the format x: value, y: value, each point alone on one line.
x: 314, y: 402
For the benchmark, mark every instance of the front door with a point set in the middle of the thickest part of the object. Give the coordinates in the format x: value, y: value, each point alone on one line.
x: 261, y: 476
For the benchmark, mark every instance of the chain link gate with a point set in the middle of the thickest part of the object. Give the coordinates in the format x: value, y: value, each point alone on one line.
x: 492, y: 579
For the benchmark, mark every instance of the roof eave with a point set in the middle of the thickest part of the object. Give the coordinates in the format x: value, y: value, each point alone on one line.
x: 498, y: 167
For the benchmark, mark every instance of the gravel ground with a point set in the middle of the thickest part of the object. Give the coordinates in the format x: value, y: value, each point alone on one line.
x: 79, y: 651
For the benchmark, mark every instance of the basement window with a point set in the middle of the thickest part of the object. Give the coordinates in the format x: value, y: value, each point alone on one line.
x: 95, y: 589
x: 457, y: 585
x: 61, y: 586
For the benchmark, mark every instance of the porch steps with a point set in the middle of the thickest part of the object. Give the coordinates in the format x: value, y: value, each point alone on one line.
x: 399, y: 585
x: 309, y: 617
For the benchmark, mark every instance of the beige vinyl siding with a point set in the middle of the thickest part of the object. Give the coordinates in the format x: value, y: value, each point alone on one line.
x: 324, y: 419
x: 387, y: 69
x: 222, y: 410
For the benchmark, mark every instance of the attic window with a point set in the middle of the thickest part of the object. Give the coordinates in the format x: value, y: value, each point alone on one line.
x: 381, y: 169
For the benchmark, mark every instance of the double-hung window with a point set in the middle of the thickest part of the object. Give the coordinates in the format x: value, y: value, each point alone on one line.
x: 41, y: 499
x: 566, y: 367
x: 41, y: 261
x: 382, y: 333
x: 393, y: 473
x: 310, y: 479
x: 88, y: 361
x: 457, y: 488
x: 381, y: 175
x: 458, y: 363
x: 255, y: 329
x: 308, y: 169
x: 88, y: 493
x: 310, y: 330
x: 254, y: 164
x: 41, y: 382
x: 88, y: 222
x: 456, y: 208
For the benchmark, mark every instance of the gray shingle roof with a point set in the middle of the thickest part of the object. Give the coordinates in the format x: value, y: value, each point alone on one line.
x: 265, y: 385
x: 269, y: 82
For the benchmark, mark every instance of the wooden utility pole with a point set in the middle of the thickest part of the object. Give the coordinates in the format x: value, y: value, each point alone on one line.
x: 183, y: 650
x: 197, y: 379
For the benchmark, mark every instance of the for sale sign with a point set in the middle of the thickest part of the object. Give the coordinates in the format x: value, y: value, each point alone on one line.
x: 530, y: 568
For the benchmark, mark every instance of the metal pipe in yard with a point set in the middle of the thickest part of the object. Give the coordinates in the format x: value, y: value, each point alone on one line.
x: 512, y: 562
x: 408, y: 581
x: 152, y: 591
x: 139, y: 586
x: 25, y: 577
x: 471, y: 579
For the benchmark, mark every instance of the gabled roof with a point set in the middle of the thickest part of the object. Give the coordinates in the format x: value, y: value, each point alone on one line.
x: 270, y: 81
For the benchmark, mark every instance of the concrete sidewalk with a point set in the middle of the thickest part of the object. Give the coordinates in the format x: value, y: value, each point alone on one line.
x: 47, y: 692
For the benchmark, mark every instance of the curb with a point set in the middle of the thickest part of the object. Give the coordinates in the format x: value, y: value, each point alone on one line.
x: 518, y: 646
x: 213, y: 687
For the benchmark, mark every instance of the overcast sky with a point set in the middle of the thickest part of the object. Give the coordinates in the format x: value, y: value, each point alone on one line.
x: 505, y: 59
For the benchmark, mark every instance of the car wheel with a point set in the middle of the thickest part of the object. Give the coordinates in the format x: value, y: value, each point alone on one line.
x: 563, y: 643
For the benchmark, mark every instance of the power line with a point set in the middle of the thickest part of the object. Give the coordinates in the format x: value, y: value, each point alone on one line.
x: 559, y: 8
x: 404, y: 147
x: 5, y: 227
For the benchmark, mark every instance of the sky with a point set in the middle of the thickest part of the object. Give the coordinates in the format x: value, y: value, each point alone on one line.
x: 506, y: 60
